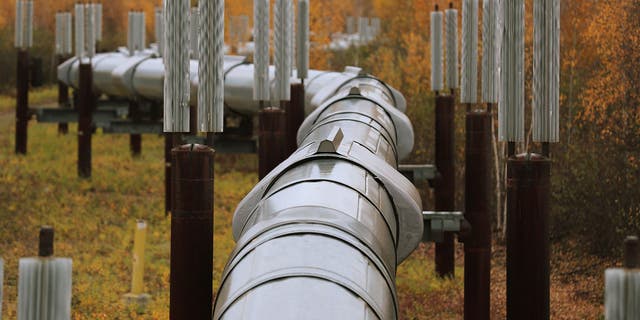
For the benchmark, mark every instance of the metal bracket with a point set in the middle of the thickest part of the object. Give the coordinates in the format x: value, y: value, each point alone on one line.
x: 419, y: 172
x: 436, y: 223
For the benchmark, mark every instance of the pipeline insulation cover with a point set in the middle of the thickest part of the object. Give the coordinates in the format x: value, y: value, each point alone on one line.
x: 303, y: 39
x: 511, y: 107
x: 261, y: 90
x: 469, y: 76
x: 44, y: 289
x: 211, y: 66
x: 282, y: 49
x: 491, y: 51
x: 546, y: 71
x: 451, y: 35
x: 177, y: 83
x: 436, y: 51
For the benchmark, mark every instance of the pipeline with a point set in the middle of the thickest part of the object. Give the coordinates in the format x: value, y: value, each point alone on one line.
x: 321, y: 234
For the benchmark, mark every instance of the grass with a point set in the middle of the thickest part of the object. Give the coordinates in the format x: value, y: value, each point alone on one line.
x: 94, y: 222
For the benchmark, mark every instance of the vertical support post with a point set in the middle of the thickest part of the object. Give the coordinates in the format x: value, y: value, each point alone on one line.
x: 22, y: 101
x: 137, y: 283
x: 271, y: 144
x: 295, y: 116
x: 192, y: 232
x: 445, y: 186
x: 45, y: 244
x: 528, y: 196
x: 85, y: 119
x: 477, y: 246
x: 631, y: 252
x: 135, y: 140
x: 63, y: 99
x: 168, y: 146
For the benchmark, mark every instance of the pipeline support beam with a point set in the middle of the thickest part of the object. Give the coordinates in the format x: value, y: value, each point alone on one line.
x: 477, y: 245
x: 135, y: 140
x: 445, y: 185
x: 528, y: 197
x: 191, y: 232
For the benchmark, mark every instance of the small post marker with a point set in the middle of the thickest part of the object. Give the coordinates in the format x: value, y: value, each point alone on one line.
x: 137, y: 295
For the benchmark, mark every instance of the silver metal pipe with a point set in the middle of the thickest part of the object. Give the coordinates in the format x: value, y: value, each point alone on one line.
x: 322, y: 233
x: 119, y: 75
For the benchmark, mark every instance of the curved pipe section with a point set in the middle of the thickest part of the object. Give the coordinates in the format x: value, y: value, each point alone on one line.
x: 320, y: 236
x: 142, y: 76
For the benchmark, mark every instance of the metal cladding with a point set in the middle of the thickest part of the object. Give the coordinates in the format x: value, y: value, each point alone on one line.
x: 19, y: 29
x: 323, y: 232
x: 451, y: 35
x: 194, y: 25
x: 546, y: 71
x: 191, y: 233
x: 176, y: 66
x: 159, y: 30
x: 436, y: 51
x: 282, y: 49
x: 97, y: 10
x: 511, y: 106
x: 491, y: 51
x: 90, y: 33
x: 24, y: 24
x: 44, y: 289
x: 28, y: 28
x: 622, y: 285
x: 67, y: 33
x: 136, y: 39
x: 44, y: 283
x: 469, y: 76
x: 211, y: 66
x: 261, y: 88
x: 528, y: 201
x: 79, y: 9
x: 303, y: 39
x: 621, y: 292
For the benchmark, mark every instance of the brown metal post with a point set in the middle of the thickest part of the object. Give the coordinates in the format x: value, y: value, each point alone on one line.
x: 528, y: 198
x: 168, y: 146
x: 85, y: 119
x: 22, y: 101
x: 271, y: 145
x: 135, y: 140
x: 631, y: 252
x: 45, y: 245
x: 63, y: 99
x: 477, y: 245
x: 191, y: 274
x: 295, y: 116
x: 445, y: 186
